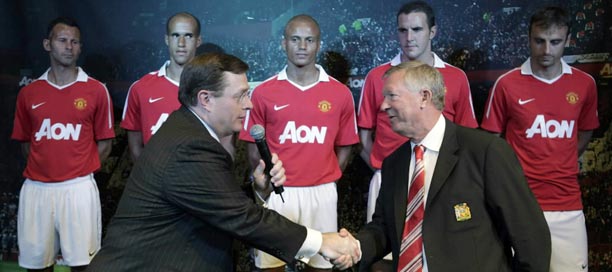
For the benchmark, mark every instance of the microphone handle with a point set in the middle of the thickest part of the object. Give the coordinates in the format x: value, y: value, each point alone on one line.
x: 266, y: 156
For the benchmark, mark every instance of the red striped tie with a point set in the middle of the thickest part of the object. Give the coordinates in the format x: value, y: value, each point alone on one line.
x: 411, y: 249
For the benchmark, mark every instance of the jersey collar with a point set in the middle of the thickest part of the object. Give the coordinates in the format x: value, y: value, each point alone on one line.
x: 526, y: 70
x: 162, y: 73
x: 438, y: 62
x: 323, y: 76
x: 81, y: 77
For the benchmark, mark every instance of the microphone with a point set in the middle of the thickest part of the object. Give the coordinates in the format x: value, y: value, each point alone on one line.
x: 258, y: 133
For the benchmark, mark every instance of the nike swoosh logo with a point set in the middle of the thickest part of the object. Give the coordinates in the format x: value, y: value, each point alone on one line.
x: 92, y: 253
x: 277, y: 108
x: 523, y: 102
x: 152, y: 100
x: 34, y: 106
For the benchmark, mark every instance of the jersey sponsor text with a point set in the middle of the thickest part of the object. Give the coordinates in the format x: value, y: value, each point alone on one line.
x: 303, y: 134
x: 58, y: 131
x: 550, y: 128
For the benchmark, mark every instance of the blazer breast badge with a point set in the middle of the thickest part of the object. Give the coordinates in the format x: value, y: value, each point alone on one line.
x: 462, y: 212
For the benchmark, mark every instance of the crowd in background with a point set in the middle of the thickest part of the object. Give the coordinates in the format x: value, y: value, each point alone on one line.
x: 8, y: 225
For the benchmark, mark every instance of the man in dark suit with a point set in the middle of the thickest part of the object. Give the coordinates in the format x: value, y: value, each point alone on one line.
x: 476, y: 210
x: 181, y: 208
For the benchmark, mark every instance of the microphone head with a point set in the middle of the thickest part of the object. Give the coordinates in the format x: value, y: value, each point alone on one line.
x: 258, y: 132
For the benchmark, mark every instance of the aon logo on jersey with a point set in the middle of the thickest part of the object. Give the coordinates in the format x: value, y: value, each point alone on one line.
x: 58, y: 131
x: 303, y: 134
x: 550, y: 128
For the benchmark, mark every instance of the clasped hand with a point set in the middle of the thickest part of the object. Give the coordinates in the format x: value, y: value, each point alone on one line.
x: 277, y: 173
x: 341, y: 248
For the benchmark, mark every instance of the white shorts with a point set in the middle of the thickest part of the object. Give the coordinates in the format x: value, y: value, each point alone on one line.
x: 569, y: 241
x: 314, y: 207
x: 372, y: 196
x: 60, y: 215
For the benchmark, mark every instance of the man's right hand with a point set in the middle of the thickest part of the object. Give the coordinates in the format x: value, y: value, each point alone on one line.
x: 341, y: 248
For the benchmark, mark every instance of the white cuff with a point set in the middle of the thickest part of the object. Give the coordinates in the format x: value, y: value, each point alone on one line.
x: 311, y: 246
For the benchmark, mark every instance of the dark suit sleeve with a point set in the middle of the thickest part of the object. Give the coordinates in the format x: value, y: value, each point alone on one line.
x: 515, y: 209
x: 376, y: 237
x: 373, y: 237
x: 201, y: 182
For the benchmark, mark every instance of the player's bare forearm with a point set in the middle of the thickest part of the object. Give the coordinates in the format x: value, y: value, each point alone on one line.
x: 584, y: 136
x: 365, y: 137
x: 104, y: 148
x: 135, y: 143
x: 343, y: 153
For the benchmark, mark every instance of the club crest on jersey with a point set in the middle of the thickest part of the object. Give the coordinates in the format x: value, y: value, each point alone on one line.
x: 80, y: 103
x: 324, y: 106
x: 572, y: 98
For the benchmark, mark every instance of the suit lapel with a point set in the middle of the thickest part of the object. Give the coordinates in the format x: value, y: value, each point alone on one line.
x: 447, y: 159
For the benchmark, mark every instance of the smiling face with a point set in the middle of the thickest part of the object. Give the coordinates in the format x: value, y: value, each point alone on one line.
x: 402, y: 105
x: 63, y: 45
x: 229, y: 109
x: 182, y: 39
x: 301, y: 42
x: 414, y: 35
x: 546, y: 45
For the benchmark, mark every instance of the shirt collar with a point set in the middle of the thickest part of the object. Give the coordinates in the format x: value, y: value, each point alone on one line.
x: 210, y: 130
x: 438, y: 62
x: 526, y: 70
x: 433, y: 139
x: 162, y: 73
x: 81, y: 76
x: 323, y: 76
x: 397, y: 59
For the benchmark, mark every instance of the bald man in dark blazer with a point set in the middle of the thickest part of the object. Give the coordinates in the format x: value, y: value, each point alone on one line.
x: 479, y: 213
x: 181, y: 208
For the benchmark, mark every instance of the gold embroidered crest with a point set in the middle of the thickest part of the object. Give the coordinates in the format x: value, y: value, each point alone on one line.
x: 462, y: 212
x: 324, y: 106
x: 80, y: 103
x: 572, y: 98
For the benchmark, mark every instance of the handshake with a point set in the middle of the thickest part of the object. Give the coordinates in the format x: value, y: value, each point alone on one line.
x: 341, y: 249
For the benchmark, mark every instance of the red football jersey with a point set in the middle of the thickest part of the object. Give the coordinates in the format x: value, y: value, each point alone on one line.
x: 541, y: 119
x: 303, y: 125
x: 62, y: 125
x: 150, y: 101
